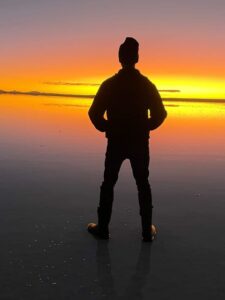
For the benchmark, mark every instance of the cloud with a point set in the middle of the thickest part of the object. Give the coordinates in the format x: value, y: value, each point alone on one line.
x: 70, y: 83
x: 98, y: 84
x: 67, y: 105
x: 36, y: 93
x: 169, y: 91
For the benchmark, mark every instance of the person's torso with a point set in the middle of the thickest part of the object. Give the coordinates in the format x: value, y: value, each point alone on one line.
x: 127, y: 104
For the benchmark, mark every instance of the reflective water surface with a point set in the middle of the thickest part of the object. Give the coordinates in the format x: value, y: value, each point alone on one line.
x: 51, y: 168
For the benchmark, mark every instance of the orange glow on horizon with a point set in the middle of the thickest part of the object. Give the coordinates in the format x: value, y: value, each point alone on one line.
x: 60, y: 121
x: 188, y: 86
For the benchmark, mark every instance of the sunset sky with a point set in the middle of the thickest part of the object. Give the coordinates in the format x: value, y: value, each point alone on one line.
x: 43, y: 42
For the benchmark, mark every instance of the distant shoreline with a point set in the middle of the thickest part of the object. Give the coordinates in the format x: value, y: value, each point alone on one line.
x: 36, y: 93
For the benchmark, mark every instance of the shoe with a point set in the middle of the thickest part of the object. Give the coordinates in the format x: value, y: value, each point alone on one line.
x: 94, y: 229
x: 151, y: 235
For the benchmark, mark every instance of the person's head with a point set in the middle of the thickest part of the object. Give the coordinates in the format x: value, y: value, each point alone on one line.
x: 128, y: 52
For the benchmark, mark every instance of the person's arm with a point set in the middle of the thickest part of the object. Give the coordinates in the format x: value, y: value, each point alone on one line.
x: 98, y: 108
x: 157, y: 110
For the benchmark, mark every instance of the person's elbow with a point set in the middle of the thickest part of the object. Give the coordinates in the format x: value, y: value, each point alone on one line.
x: 93, y: 116
x: 164, y: 115
x: 160, y: 119
x: 156, y: 121
x: 90, y: 113
x: 97, y: 120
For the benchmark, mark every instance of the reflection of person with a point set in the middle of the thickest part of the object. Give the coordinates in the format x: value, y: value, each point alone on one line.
x: 141, y: 275
x: 126, y: 98
x: 138, y: 279
x: 104, y: 272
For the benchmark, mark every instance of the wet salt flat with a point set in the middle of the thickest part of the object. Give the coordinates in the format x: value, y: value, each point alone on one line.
x: 51, y: 168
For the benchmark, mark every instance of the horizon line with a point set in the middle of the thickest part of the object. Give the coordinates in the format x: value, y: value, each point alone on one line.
x: 37, y: 93
x: 98, y: 84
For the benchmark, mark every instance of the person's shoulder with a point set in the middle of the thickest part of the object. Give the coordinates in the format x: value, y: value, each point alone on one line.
x: 109, y: 81
x: 146, y: 80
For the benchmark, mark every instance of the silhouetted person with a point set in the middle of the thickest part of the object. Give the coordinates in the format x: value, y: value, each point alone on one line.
x: 127, y: 97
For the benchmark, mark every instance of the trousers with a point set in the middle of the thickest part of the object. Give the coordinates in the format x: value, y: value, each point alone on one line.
x: 137, y: 151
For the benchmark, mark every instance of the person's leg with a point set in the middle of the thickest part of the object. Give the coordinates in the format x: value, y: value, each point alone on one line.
x: 139, y: 159
x: 113, y: 160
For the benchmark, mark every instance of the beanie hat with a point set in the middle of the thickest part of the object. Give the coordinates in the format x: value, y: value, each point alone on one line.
x: 128, y: 51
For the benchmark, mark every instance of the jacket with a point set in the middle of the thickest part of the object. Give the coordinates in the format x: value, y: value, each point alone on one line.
x: 127, y: 98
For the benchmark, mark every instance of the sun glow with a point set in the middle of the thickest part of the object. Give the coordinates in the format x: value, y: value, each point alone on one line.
x: 191, y: 87
x: 169, y: 86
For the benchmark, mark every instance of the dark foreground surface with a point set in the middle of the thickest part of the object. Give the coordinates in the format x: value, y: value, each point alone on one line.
x: 51, y: 169
x: 46, y: 252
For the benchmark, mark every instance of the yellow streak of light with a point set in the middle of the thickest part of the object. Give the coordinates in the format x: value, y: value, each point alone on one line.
x: 189, y: 86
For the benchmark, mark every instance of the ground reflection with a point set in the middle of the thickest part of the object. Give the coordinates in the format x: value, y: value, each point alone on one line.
x: 104, y: 269
x: 137, y: 281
